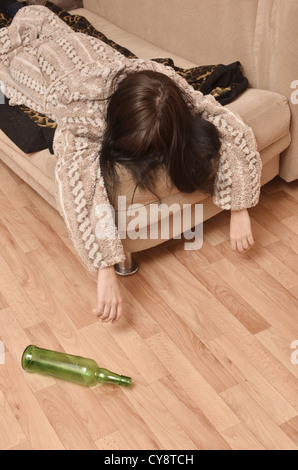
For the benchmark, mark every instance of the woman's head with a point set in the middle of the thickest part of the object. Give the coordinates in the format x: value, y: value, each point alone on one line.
x: 149, y: 125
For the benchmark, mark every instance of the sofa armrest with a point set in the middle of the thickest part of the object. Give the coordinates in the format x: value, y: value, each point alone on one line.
x: 276, y: 66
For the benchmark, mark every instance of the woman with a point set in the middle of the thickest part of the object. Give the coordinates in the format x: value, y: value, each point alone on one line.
x: 111, y: 110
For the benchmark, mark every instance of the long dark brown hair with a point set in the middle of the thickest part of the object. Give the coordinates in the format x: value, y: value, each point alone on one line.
x: 150, y: 125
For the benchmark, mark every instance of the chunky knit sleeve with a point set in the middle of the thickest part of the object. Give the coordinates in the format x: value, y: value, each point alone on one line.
x: 80, y: 189
x: 83, y: 201
x: 238, y: 180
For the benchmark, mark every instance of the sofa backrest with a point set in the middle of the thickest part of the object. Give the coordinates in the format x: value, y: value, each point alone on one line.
x: 201, y: 31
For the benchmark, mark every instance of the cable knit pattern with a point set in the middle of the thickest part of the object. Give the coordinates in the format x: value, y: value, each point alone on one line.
x: 67, y: 76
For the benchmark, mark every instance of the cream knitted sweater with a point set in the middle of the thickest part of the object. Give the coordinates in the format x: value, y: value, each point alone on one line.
x: 66, y: 75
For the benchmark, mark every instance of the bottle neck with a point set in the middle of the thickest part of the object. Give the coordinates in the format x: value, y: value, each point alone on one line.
x: 105, y: 376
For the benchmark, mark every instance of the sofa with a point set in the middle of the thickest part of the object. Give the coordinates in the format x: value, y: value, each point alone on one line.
x: 195, y: 32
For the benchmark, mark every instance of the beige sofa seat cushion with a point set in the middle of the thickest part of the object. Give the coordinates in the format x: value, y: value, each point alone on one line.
x: 42, y: 161
x: 266, y: 112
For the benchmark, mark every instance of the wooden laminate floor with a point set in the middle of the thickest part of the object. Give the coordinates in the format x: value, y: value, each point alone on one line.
x: 206, y: 336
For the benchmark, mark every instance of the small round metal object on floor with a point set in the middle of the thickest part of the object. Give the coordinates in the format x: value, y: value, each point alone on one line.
x: 127, y: 267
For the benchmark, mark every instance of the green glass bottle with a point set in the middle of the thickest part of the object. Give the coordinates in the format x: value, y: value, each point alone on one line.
x: 74, y: 369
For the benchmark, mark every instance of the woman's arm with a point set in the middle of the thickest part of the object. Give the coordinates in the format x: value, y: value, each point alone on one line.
x: 83, y: 201
x: 84, y: 204
x: 238, y: 181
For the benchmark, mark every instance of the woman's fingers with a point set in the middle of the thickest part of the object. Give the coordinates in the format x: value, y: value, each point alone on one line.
x: 106, y: 313
x: 240, y: 247
x: 110, y: 312
x: 243, y: 244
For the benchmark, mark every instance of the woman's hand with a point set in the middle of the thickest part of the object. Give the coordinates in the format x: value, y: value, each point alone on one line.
x: 241, y: 237
x: 109, y: 299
